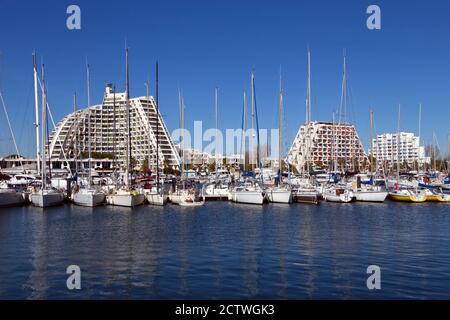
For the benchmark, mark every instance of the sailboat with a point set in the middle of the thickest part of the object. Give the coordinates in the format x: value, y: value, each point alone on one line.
x: 304, y: 191
x: 156, y: 197
x: 217, y: 189
x: 88, y: 196
x: 250, y: 192
x: 126, y: 196
x: 280, y: 193
x: 10, y: 196
x: 184, y: 195
x: 399, y: 192
x: 339, y: 192
x: 46, y: 196
x: 369, y: 192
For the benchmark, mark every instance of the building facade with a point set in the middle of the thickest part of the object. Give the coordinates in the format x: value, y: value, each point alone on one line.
x: 390, y: 148
x: 335, y: 146
x: 104, y: 128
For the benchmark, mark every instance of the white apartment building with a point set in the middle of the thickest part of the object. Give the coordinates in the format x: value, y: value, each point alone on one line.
x: 405, y: 147
x: 198, y: 157
x: 70, y: 139
x: 333, y: 145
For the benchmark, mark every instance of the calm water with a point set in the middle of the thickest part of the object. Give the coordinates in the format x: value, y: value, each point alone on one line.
x: 227, y: 251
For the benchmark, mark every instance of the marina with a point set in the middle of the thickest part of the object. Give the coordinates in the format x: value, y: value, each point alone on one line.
x: 224, y: 151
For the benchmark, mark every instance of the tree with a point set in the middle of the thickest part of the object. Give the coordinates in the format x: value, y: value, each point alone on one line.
x: 319, y: 164
x: 133, y: 163
x: 144, y: 165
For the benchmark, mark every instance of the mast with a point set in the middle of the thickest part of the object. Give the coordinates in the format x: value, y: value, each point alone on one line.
x: 89, y: 124
x: 398, y: 144
x: 258, y: 160
x: 244, y: 134
x: 183, y: 107
x: 181, y: 127
x: 114, y: 127
x: 308, y: 112
x: 253, y: 126
x: 149, y: 125
x: 334, y: 153
x: 157, y: 128
x: 76, y: 131
x: 280, y: 124
x: 217, y: 129
x: 420, y: 129
x: 128, y: 170
x: 343, y: 105
x: 434, y: 150
x: 43, y: 128
x: 308, y: 107
x: 371, y: 141
x: 36, y: 108
x: 377, y: 156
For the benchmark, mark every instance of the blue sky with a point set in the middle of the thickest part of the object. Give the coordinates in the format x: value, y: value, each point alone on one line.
x: 203, y: 44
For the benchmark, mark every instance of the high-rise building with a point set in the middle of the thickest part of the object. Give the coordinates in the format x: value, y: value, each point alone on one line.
x: 390, y: 148
x: 335, y: 146
x: 108, y: 134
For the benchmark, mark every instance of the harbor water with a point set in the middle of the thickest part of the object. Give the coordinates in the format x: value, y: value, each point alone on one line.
x: 227, y: 251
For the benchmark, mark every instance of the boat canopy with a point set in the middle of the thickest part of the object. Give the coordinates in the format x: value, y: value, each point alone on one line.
x: 248, y: 174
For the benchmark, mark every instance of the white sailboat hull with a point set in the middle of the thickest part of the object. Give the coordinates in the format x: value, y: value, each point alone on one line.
x: 342, y: 198
x: 279, y: 196
x: 127, y: 199
x: 371, y: 196
x: 11, y: 198
x: 156, y: 199
x: 184, y: 200
x: 47, y: 198
x: 89, y: 198
x: 248, y: 197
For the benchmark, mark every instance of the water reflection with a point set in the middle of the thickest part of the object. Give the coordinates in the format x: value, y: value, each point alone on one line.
x: 226, y: 250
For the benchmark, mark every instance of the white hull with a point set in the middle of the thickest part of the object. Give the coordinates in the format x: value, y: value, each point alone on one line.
x: 370, y: 196
x: 156, y: 199
x: 126, y: 199
x: 342, y: 198
x: 279, y: 196
x: 211, y: 193
x: 47, y: 198
x: 185, y: 200
x: 11, y: 198
x: 249, y: 197
x: 89, y: 198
